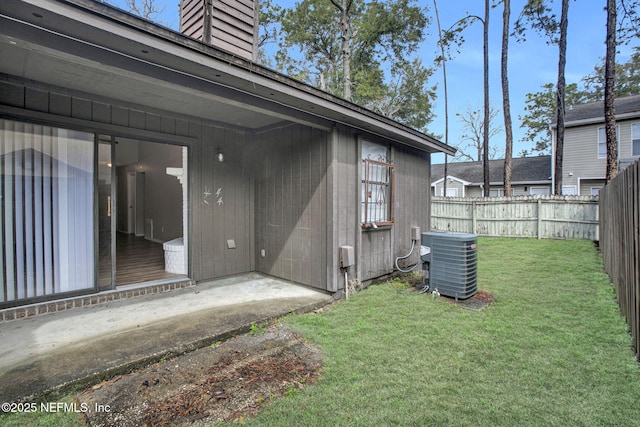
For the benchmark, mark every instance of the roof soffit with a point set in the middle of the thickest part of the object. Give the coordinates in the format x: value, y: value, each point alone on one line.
x: 106, y: 28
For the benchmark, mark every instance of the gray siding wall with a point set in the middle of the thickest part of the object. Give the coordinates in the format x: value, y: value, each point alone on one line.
x: 378, y: 249
x: 211, y: 224
x: 412, y: 201
x: 580, y: 157
x: 343, y: 200
x: 224, y: 203
x: 293, y: 192
x: 291, y: 209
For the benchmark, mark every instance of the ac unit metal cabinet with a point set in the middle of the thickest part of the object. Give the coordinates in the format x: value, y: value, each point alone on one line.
x: 453, y: 263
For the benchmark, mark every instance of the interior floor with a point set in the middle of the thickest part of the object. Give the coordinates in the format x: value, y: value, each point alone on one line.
x: 139, y: 260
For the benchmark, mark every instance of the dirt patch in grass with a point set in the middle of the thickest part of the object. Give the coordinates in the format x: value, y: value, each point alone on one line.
x: 478, y: 301
x: 227, y: 381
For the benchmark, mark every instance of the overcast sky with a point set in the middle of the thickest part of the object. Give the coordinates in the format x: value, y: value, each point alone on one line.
x: 531, y: 64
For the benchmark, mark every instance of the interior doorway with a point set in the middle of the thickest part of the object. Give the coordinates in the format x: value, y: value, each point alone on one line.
x: 146, y: 209
x: 135, y: 187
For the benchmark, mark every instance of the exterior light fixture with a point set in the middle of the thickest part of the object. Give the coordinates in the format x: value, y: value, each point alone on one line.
x: 220, y: 156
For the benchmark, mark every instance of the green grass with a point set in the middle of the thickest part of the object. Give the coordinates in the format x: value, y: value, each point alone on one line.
x: 39, y: 418
x: 552, y: 350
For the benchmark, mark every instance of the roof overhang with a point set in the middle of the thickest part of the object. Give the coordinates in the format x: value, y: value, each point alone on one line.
x: 596, y: 120
x: 87, y: 47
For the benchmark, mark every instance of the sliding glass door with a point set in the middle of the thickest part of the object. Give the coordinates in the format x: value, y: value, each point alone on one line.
x: 46, y: 211
x: 106, y: 217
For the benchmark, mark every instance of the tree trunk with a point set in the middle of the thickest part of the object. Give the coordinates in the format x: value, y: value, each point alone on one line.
x: 446, y: 99
x: 485, y: 138
x: 345, y: 22
x: 609, y: 96
x: 506, y: 107
x: 562, y: 60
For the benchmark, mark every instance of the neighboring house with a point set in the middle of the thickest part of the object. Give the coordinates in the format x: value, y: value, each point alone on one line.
x: 529, y: 175
x: 584, y: 157
x: 112, y: 127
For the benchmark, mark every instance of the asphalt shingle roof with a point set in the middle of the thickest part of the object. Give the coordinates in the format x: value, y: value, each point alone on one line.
x: 523, y: 169
x: 595, y: 110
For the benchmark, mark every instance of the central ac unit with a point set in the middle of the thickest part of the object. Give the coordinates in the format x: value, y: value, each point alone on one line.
x: 452, y: 259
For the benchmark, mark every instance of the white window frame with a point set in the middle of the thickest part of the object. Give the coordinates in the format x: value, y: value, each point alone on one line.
x: 377, y: 185
x: 595, y: 191
x: 451, y: 192
x: 602, y: 141
x: 635, y: 137
x: 496, y: 192
x: 535, y: 191
x: 570, y: 190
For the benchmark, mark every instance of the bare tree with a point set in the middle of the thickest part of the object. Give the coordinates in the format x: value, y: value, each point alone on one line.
x: 475, y: 149
x: 454, y: 36
x: 443, y: 60
x: 147, y: 9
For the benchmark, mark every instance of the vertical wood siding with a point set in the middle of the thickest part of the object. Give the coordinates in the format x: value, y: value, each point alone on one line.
x: 343, y: 196
x: 620, y: 243
x: 291, y: 210
x: 225, y: 204
x: 413, y: 197
x: 228, y: 24
x: 381, y: 247
x: 293, y: 192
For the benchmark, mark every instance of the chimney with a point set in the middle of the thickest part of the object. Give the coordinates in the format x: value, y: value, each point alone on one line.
x: 230, y: 25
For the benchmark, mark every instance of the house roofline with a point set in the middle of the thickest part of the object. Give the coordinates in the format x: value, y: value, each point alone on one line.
x: 461, y: 181
x: 171, y: 50
x: 597, y: 120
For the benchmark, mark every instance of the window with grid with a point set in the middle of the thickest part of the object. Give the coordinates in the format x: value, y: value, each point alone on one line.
x: 377, y: 185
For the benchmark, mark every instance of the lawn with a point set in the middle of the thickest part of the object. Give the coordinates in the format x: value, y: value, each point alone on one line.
x: 552, y: 350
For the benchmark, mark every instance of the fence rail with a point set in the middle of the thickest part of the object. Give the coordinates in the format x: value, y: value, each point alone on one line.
x: 620, y: 243
x: 563, y: 217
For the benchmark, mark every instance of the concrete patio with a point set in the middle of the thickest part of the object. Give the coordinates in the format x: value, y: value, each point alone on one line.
x: 77, y: 347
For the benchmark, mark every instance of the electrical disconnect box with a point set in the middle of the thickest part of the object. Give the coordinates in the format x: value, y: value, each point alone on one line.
x: 415, y: 234
x: 347, y: 258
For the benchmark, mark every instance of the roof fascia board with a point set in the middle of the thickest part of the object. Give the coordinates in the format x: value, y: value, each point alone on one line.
x: 165, y: 43
x: 53, y: 43
x: 596, y: 120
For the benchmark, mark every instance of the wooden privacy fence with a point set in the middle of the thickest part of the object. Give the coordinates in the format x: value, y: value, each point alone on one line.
x: 620, y: 243
x: 562, y: 217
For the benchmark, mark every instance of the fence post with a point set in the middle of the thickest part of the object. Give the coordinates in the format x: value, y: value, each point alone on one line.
x: 539, y: 218
x: 473, y: 216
